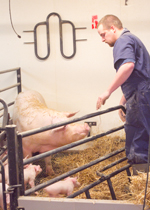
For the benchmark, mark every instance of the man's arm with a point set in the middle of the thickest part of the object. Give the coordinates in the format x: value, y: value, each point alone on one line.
x: 122, y: 75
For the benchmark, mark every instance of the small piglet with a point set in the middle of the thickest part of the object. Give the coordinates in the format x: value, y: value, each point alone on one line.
x: 1, y: 195
x: 30, y: 172
x: 6, y: 169
x: 62, y: 187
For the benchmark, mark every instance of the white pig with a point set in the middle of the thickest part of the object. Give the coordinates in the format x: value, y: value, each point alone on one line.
x: 64, y: 187
x: 30, y: 112
x: 30, y: 172
x: 1, y: 195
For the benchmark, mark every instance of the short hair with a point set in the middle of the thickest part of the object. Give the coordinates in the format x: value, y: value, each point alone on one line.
x: 109, y: 20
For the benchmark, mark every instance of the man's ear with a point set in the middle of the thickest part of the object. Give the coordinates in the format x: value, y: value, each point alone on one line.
x: 113, y: 28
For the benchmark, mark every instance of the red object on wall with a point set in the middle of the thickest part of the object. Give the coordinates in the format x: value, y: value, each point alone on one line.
x: 94, y: 21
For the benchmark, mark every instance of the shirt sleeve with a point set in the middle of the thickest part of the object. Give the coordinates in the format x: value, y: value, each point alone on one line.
x: 123, y: 61
x: 123, y: 51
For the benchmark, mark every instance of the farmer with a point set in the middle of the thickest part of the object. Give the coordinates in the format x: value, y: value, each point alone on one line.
x: 132, y: 64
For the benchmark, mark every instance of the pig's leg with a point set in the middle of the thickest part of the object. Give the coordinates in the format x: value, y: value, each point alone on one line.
x: 69, y: 192
x: 49, y: 168
x: 31, y: 183
x: 54, y: 196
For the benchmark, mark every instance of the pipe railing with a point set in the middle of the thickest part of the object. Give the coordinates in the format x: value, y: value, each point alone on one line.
x: 74, y: 171
x: 49, y: 127
x: 69, y: 146
x: 2, y: 171
x: 15, y: 154
x: 18, y: 84
x: 102, y: 179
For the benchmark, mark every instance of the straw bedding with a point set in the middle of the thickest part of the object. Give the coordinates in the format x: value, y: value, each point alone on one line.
x: 132, y: 191
x: 63, y: 162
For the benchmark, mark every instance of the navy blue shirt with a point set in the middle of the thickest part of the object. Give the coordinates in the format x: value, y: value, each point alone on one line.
x: 129, y: 48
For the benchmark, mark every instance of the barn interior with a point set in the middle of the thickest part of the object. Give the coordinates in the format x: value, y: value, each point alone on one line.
x: 48, y: 47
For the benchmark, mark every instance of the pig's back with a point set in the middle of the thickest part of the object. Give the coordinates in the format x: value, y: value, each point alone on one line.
x: 29, y: 105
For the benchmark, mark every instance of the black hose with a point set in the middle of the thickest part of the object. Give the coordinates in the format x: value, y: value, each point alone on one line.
x: 11, y: 20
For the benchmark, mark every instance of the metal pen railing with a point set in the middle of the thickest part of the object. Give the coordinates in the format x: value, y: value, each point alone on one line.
x: 16, y: 162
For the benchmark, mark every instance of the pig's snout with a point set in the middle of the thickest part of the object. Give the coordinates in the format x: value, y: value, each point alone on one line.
x: 77, y: 184
x: 87, y: 128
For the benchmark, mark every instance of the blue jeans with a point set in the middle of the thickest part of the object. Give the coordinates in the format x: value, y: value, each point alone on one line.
x: 137, y: 126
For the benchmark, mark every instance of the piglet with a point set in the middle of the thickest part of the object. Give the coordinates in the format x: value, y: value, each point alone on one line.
x: 30, y: 172
x: 1, y: 195
x: 62, y: 187
x: 6, y: 169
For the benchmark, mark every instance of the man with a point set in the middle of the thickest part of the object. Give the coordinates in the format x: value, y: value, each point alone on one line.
x: 132, y: 64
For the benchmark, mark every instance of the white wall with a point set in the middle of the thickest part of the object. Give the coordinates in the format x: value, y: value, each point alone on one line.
x: 68, y: 84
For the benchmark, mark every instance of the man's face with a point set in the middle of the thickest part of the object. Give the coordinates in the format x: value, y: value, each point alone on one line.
x: 107, y: 35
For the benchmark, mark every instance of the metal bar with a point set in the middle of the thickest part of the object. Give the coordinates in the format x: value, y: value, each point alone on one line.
x: 81, y: 28
x: 2, y: 138
x: 104, y: 178
x: 35, y: 40
x: 12, y: 86
x: 61, y: 39
x: 68, y: 146
x: 45, y: 128
x: 9, y: 104
x: 4, y: 158
x: 85, y: 188
x: 87, y: 193
x: 3, y: 185
x: 12, y: 163
x: 29, y: 42
x: 20, y: 165
x: 9, y: 70
x: 74, y: 171
x: 81, y: 40
x: 113, y: 164
x: 19, y: 80
x: 4, y: 122
x: 2, y: 129
x: 111, y: 189
x: 5, y: 114
x: 119, y: 170
x: 128, y: 174
x: 28, y: 31
x: 2, y: 150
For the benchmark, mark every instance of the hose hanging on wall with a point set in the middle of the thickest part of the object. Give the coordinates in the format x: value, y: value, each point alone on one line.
x: 11, y: 20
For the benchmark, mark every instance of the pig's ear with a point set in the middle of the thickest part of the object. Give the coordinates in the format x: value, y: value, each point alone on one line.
x: 74, y: 180
x: 61, y: 128
x: 26, y: 166
x: 70, y: 114
x: 37, y: 167
x: 26, y: 157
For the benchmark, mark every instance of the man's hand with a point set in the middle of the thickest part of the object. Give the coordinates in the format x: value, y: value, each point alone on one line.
x: 122, y: 115
x: 102, y: 98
